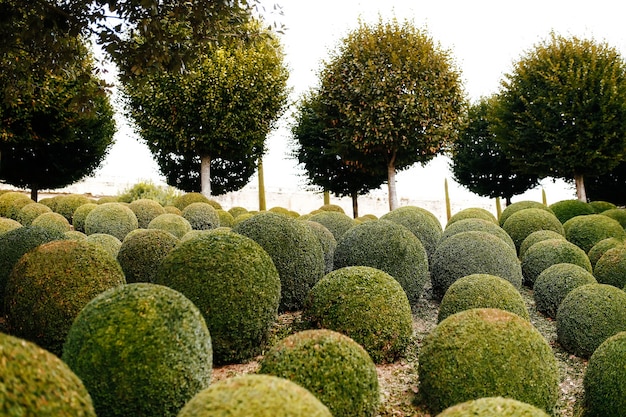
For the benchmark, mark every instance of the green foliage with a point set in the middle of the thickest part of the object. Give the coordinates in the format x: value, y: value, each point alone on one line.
x: 333, y: 367
x: 236, y: 211
x: 332, y: 207
x: 493, y: 407
x: 142, y: 252
x: 366, y: 304
x: 225, y: 218
x: 35, y: 382
x: 470, y: 253
x: 111, y: 218
x: 172, y: 223
x: 109, y: 243
x: 12, y: 202
x: 327, y: 241
x: 520, y: 205
x: 618, y: 214
x: 482, y: 291
x: 586, y: 231
x: 266, y: 395
x: 164, y: 195
x: 555, y: 282
x: 145, y: 210
x: 30, y: 211
x: 338, y: 223
x: 74, y: 235
x: 234, y: 283
x: 107, y: 199
x: 80, y: 215
x: 9, y: 224
x: 536, y: 237
x: 294, y: 249
x: 523, y: 222
x: 479, y: 225
x: 494, y: 353
x: 66, y: 205
x: 51, y: 284
x: 52, y: 221
x: 611, y: 267
x: 566, y: 209
x: 549, y: 252
x: 604, y: 381
x: 596, y: 252
x: 201, y: 216
x: 387, y: 246
x: 601, y: 206
x: 472, y: 213
x: 141, y: 350
x: 184, y: 200
x: 610, y: 186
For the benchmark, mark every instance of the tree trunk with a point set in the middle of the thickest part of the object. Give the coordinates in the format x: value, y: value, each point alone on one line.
x: 34, y: 191
x: 447, y: 197
x: 580, y: 187
x: 355, y: 204
x: 391, y: 181
x: 326, y: 197
x: 205, y: 175
x: 262, y: 205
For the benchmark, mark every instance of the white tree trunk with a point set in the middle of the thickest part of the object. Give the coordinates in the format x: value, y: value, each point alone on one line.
x: 580, y: 187
x: 391, y: 180
x: 205, y: 175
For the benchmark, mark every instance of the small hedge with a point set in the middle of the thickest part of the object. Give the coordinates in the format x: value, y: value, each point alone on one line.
x: 549, y: 252
x: 482, y: 291
x: 294, y: 249
x: 586, y: 231
x: 237, y: 210
x: 74, y: 235
x: 172, y: 223
x: 611, y: 267
x: 367, y: 305
x: 201, y: 216
x: 66, y: 205
x: 109, y: 243
x: 53, y: 222
x: 34, y: 382
x: 536, y: 237
x: 327, y: 241
x: 333, y: 367
x: 566, y: 209
x: 596, y: 252
x: 142, y: 252
x: 338, y: 223
x: 234, y: 283
x: 80, y: 214
x: 478, y: 225
x: 601, y: 206
x: 141, y: 350
x: 255, y: 396
x: 472, y: 213
x: 524, y: 222
x: 225, y: 218
x: 145, y: 209
x: 30, y: 212
x: 111, y: 218
x: 520, y: 205
x: 51, y: 284
x: 588, y: 315
x: 12, y: 202
x: 605, y: 379
x: 555, y: 282
x: 184, y: 200
x: 494, y: 353
x: 470, y: 253
x: 387, y: 246
x: 7, y: 224
x: 493, y: 407
x: 618, y: 214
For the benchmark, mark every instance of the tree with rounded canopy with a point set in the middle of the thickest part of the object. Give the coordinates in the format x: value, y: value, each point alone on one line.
x: 395, y: 94
x: 221, y: 109
x: 562, y: 111
x: 478, y: 162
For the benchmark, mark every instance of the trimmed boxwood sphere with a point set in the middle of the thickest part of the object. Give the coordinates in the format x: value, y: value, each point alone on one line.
x: 618, y: 214
x: 34, y: 382
x: 111, y: 218
x: 184, y: 200
x: 605, y: 379
x: 338, y: 223
x: 596, y: 252
x: 472, y: 213
x: 142, y: 251
x: 51, y: 284
x: 365, y: 304
x: 237, y: 210
x: 493, y: 407
x: 52, y: 221
x: 470, y: 253
x: 141, y: 350
x: 109, y: 243
x: 387, y: 246
x: 327, y: 241
x: 494, y: 353
x: 524, y: 222
x: 482, y: 291
x: 550, y: 252
x: 520, y: 205
x: 7, y: 224
x: 479, y: 225
x: 66, y: 205
x: 294, y: 249
x: 225, y: 218
x: 333, y: 367
x: 201, y: 216
x: 611, y: 267
x: 555, y: 282
x: 588, y: 315
x: 172, y: 223
x: 235, y: 285
x: 255, y: 396
x: 30, y: 212
x: 12, y: 202
x: 586, y: 231
x: 566, y: 209
x: 536, y: 237
x: 601, y: 206
x: 145, y: 209
x: 80, y: 214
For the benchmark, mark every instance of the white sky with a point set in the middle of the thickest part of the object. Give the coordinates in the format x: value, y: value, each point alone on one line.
x: 485, y: 37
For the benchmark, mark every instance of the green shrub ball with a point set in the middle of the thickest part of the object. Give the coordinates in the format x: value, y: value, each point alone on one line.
x: 524, y: 222
x: 184, y: 200
x: 366, y: 304
x: 521, y: 205
x: 618, y: 214
x: 142, y: 251
x: 333, y: 367
x: 487, y: 353
x: 141, y: 350
x: 52, y: 221
x: 12, y: 202
x: 586, y: 231
x: 51, y: 284
x: 338, y: 223
x: 255, y: 396
x: 66, y: 205
x: 549, y: 252
x: 387, y: 246
x: 172, y: 223
x: 8, y: 224
x: 111, y: 218
x: 470, y: 253
x: 294, y: 249
x: 555, y: 282
x: 566, y: 209
x: 479, y: 225
x: 601, y: 206
x: 327, y: 241
x: 80, y: 214
x: 225, y: 218
x: 234, y: 283
x: 536, y: 237
x: 201, y: 216
x: 145, y: 209
x: 482, y: 291
x: 604, y: 381
x: 109, y: 243
x: 472, y: 213
x: 611, y: 267
x: 596, y: 252
x: 34, y: 382
x: 493, y: 407
x: 30, y: 212
x: 588, y: 315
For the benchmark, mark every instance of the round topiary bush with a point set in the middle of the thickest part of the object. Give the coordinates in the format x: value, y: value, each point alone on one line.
x: 225, y: 218
x: 520, y: 205
x: 327, y: 241
x: 333, y: 367
x: 34, y: 382
x: 12, y: 202
x: 234, y: 283
x: 472, y: 213
x: 387, y: 246
x: 470, y: 253
x: 145, y: 210
x: 588, y: 315
x: 50, y: 285
x: 549, y: 252
x: 184, y: 200
x: 80, y: 214
x: 109, y: 243
x: 294, y: 249
x: 365, y: 304
x: 30, y: 212
x: 601, y: 206
x: 74, y: 235
x: 596, y: 252
x: 241, y: 217
x: 66, y: 205
x: 338, y: 223
x: 52, y: 221
x: 611, y: 267
x: 172, y: 223
x: 566, y: 209
x: 494, y: 353
x: 618, y: 214
x: 51, y: 201
x: 421, y: 222
x: 605, y: 379
x: 111, y: 218
x: 108, y: 199
x: 7, y: 224
x: 237, y: 210
x: 482, y: 291
x: 267, y: 395
x: 524, y: 222
x: 172, y: 210
x: 555, y: 282
x: 478, y: 225
x: 493, y: 407
x: 536, y: 237
x: 142, y: 251
x: 586, y: 231
x: 141, y: 350
x: 201, y: 216
x: 332, y: 207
